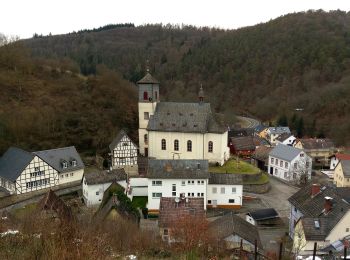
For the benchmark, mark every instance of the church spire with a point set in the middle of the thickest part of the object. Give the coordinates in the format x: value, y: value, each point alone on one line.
x: 201, y: 94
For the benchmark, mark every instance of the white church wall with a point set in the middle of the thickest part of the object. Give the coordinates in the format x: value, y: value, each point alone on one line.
x: 199, y: 146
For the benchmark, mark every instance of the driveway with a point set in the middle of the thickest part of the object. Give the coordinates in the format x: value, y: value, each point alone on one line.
x: 277, y: 197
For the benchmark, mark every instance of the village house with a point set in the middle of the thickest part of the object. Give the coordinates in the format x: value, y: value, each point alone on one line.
x: 191, y: 179
x: 225, y: 190
x: 318, y: 214
x: 95, y: 183
x: 239, y: 132
x: 273, y: 132
x: 233, y: 229
x: 175, y: 178
x: 336, y: 158
x: 286, y: 139
x: 124, y: 153
x: 290, y: 163
x: 342, y: 174
x: 242, y: 146
x: 174, y: 210
x: 22, y: 171
x: 116, y: 205
x: 261, y: 131
x: 172, y: 130
x: 260, y: 158
x: 320, y: 150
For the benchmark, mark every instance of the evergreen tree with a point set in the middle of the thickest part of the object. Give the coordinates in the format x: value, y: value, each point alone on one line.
x: 300, y: 127
x: 282, y: 120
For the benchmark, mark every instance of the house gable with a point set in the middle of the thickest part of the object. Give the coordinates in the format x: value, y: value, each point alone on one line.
x: 124, y: 151
x: 37, y: 175
x: 341, y: 229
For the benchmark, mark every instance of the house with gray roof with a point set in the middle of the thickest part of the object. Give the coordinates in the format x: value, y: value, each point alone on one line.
x: 124, y: 153
x: 233, y: 229
x: 95, y: 184
x: 342, y: 174
x: 274, y: 132
x: 319, y: 214
x: 22, y: 171
x: 191, y: 179
x: 174, y: 130
x: 319, y: 149
x: 286, y: 139
x: 289, y: 163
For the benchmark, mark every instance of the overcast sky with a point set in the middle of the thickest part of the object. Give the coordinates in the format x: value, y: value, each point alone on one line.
x: 26, y: 17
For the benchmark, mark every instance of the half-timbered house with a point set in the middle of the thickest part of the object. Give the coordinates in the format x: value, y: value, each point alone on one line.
x: 22, y: 171
x: 124, y: 153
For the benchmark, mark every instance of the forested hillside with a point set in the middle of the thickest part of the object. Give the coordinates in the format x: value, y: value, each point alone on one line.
x: 46, y: 104
x: 299, y: 60
x: 77, y: 88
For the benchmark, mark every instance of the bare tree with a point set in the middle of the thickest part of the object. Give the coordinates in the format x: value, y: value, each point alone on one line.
x: 4, y: 40
x: 301, y: 171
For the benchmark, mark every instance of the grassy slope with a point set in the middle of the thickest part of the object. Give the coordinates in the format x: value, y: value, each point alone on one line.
x: 235, y: 166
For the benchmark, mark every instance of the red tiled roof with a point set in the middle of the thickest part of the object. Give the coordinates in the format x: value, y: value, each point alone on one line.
x: 171, y: 211
x: 342, y: 156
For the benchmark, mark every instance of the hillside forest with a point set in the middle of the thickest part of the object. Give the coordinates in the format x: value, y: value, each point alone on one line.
x: 79, y: 89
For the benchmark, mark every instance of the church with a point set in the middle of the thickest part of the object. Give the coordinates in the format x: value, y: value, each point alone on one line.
x: 172, y: 130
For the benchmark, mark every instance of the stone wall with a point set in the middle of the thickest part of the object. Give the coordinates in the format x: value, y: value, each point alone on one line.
x: 256, y: 188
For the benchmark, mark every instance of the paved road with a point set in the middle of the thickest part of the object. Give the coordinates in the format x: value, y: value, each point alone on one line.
x: 23, y: 203
x: 277, y: 197
x: 248, y: 122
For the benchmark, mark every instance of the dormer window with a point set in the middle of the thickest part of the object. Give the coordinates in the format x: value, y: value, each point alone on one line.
x: 73, y: 163
x: 64, y: 164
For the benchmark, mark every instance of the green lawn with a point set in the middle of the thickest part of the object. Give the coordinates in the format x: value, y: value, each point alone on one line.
x: 234, y: 166
x: 139, y: 202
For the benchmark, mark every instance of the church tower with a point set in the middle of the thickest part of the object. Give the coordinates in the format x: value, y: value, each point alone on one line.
x: 148, y: 99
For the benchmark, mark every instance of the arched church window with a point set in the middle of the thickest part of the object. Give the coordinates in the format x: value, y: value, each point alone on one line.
x: 176, y: 145
x: 189, y: 146
x: 210, y: 147
x: 163, y: 144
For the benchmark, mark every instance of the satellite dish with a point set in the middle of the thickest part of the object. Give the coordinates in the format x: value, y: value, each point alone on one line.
x: 150, y: 99
x: 177, y: 200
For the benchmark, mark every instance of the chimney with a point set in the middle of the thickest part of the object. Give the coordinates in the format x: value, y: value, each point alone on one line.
x: 315, y: 189
x: 168, y: 167
x: 327, y: 205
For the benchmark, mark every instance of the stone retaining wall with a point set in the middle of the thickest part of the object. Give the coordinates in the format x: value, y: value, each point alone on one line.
x: 256, y: 188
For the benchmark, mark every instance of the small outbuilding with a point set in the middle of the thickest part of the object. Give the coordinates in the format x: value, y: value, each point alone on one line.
x: 263, y: 217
